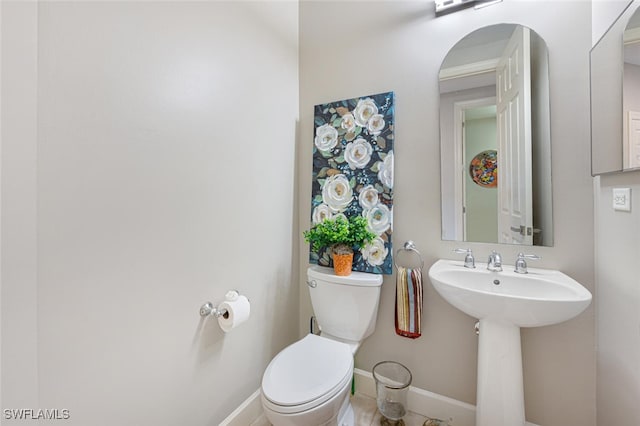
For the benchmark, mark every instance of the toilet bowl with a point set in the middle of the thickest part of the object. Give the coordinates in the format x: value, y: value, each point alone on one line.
x: 308, y: 382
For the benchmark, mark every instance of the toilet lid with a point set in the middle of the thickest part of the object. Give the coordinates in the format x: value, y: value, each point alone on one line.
x: 306, y: 370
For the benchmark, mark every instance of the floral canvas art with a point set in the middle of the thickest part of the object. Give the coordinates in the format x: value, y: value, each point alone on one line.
x: 353, y: 173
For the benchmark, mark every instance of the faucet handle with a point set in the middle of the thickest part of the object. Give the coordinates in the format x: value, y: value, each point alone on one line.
x: 528, y: 256
x: 521, y: 263
x: 469, y: 260
x: 494, y: 263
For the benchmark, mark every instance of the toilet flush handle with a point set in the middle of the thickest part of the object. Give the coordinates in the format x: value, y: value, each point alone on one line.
x: 312, y: 283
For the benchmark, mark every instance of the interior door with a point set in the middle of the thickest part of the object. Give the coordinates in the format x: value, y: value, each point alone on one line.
x: 513, y: 91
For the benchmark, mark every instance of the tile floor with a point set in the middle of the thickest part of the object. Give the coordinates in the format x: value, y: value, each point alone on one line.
x: 367, y: 414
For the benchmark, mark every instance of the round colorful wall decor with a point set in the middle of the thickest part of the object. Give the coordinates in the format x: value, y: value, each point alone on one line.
x: 483, y: 168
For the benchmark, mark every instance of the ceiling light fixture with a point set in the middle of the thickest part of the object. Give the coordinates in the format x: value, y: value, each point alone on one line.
x: 444, y: 7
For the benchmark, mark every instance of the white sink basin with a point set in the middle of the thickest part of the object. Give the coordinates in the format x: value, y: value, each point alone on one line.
x: 541, y: 297
x: 503, y: 302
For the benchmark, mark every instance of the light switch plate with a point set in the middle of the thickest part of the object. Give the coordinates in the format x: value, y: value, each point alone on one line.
x: 622, y: 199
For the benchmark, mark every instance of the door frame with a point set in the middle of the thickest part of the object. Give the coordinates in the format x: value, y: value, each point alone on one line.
x: 459, y: 109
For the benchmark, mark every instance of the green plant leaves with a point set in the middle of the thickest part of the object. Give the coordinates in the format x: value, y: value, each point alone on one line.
x: 329, y: 232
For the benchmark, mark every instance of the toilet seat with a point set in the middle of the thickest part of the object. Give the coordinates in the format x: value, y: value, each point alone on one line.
x: 306, y: 374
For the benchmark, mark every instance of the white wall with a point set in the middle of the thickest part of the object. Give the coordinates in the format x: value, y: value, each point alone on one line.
x: 618, y: 302
x: 161, y: 176
x: 18, y: 212
x: 117, y: 152
x: 604, y: 12
x: 618, y: 286
x: 1, y: 127
x: 399, y: 46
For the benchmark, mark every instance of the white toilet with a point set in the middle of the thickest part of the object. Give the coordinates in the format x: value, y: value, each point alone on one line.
x: 308, y: 383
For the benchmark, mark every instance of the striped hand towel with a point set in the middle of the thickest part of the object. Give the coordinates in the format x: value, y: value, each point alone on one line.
x: 409, y: 302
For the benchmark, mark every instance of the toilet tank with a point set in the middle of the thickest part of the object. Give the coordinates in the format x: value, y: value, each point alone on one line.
x: 345, y: 307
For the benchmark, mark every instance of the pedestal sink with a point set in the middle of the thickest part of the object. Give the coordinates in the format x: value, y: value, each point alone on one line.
x: 503, y: 302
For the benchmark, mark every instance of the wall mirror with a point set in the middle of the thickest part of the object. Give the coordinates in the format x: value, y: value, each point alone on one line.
x: 631, y: 93
x: 615, y: 88
x: 495, y: 139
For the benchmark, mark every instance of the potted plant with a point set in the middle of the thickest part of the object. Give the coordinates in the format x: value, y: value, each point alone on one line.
x: 341, y: 236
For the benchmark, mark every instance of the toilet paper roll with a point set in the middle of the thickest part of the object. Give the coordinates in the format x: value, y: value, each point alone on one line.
x: 237, y: 312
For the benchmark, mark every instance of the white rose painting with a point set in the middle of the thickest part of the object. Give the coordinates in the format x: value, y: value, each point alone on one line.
x: 320, y: 213
x: 353, y: 173
x: 378, y: 218
x: 326, y: 137
x: 368, y: 197
x: 337, y: 193
x: 375, y: 252
x: 358, y: 153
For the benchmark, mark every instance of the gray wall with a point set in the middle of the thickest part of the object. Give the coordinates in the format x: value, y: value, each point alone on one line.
x: 380, y: 46
x: 148, y: 159
x: 618, y: 285
x: 18, y: 213
x: 107, y: 255
x: 618, y: 302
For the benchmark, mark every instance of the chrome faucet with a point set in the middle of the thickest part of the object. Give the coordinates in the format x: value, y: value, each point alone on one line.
x: 469, y: 261
x: 495, y: 262
x: 521, y: 264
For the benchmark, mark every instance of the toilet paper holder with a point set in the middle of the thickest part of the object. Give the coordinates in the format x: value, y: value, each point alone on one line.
x: 215, y: 311
x: 208, y: 309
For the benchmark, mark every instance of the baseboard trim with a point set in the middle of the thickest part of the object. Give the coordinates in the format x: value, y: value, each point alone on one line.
x: 420, y: 401
x: 425, y: 403
x: 248, y: 412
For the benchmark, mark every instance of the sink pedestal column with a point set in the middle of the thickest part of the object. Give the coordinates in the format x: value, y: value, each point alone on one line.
x: 500, y: 393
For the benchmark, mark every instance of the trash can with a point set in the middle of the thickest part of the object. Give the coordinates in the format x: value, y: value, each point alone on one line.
x: 392, y: 386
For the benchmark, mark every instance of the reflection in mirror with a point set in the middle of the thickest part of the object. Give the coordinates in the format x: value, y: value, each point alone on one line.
x: 610, y: 77
x: 631, y: 94
x: 495, y: 140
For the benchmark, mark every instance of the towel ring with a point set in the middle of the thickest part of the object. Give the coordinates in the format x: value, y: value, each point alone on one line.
x: 409, y: 246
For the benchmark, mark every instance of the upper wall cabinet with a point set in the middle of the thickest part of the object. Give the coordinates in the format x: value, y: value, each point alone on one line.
x: 615, y: 96
x: 495, y: 140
